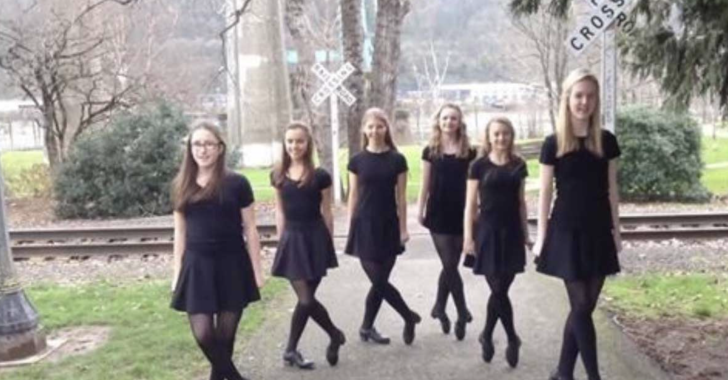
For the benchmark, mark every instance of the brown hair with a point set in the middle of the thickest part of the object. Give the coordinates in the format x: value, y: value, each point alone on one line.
x: 435, y: 143
x: 379, y: 114
x: 565, y: 139
x: 185, y: 189
x: 488, y: 147
x: 279, y: 172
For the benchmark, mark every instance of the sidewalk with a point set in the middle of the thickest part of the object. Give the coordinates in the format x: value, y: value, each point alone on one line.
x: 539, y: 303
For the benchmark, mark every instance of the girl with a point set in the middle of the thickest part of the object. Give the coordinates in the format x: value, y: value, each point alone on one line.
x: 441, y: 203
x: 215, y: 276
x: 581, y: 239
x: 378, y: 220
x: 496, y: 182
x: 305, y: 249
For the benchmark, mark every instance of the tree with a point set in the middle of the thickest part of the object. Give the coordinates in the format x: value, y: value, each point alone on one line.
x: 353, y: 41
x: 387, y: 49
x: 682, y: 44
x: 62, y: 65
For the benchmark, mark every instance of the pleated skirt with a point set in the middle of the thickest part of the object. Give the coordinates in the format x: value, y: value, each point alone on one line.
x: 305, y: 251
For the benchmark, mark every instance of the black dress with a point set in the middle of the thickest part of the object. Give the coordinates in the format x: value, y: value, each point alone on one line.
x: 499, y: 236
x: 305, y: 250
x: 446, y: 202
x: 374, y: 230
x: 579, y: 243
x: 217, y: 274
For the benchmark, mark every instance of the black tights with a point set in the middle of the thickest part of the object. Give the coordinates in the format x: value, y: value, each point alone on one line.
x: 499, y: 306
x: 450, y: 248
x: 378, y: 273
x: 215, y: 334
x: 308, y: 306
x: 579, y: 334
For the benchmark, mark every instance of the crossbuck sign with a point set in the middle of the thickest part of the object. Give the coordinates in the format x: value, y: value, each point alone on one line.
x: 332, y: 84
x: 333, y: 89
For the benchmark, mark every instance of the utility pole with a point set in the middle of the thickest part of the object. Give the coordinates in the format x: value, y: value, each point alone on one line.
x: 19, y: 334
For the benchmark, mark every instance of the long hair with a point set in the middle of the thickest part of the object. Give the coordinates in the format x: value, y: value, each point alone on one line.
x: 379, y: 114
x: 185, y: 189
x: 565, y: 139
x: 279, y: 173
x: 463, y: 141
x: 488, y: 145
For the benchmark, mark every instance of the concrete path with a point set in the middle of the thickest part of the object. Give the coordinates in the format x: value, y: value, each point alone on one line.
x: 540, y: 308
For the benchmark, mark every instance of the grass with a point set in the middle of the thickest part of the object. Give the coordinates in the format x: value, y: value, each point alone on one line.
x: 716, y: 180
x: 148, y: 340
x: 715, y: 150
x: 15, y: 162
x: 682, y: 295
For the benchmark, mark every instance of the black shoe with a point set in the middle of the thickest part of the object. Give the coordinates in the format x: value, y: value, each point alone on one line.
x: 408, y: 335
x: 460, y: 325
x: 373, y: 335
x: 332, y: 351
x: 512, y: 352
x: 439, y: 314
x: 294, y: 358
x: 556, y: 376
x: 488, y: 350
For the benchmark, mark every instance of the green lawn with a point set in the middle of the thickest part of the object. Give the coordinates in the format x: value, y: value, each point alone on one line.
x: 659, y: 295
x: 716, y: 180
x: 15, y: 162
x: 148, y: 340
x: 714, y: 151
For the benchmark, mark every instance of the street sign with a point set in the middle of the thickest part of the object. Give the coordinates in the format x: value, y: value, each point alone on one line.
x: 332, y: 84
x: 334, y: 90
x: 623, y: 22
x: 590, y: 28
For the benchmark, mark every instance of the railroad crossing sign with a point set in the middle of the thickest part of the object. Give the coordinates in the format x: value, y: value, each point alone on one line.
x: 334, y: 90
x: 332, y: 84
x: 603, y: 15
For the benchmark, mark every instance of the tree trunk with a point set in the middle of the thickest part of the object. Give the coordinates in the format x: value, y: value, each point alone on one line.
x: 383, y: 89
x: 353, y: 45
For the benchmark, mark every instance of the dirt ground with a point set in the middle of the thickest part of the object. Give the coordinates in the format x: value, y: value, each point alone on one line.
x: 687, y: 349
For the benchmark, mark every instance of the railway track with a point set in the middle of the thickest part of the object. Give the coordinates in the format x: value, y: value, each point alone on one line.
x: 126, y: 240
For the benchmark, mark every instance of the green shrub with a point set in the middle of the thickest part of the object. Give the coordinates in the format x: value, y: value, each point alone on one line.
x: 123, y: 170
x: 660, y: 156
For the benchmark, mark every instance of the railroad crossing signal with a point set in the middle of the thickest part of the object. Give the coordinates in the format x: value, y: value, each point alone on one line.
x: 332, y: 84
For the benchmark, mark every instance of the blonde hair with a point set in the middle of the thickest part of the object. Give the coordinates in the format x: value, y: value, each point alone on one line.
x: 488, y: 146
x: 435, y: 142
x: 565, y: 139
x: 379, y: 114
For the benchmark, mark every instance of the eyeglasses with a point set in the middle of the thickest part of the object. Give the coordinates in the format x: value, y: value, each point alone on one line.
x: 207, y: 145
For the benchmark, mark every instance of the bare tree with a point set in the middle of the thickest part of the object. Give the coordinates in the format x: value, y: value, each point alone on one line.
x: 353, y: 39
x: 63, y: 67
x: 546, y: 34
x: 387, y: 48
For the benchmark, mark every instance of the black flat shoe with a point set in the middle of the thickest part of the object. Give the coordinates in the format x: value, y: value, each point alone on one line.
x: 487, y: 348
x: 460, y: 325
x: 408, y: 335
x: 512, y: 352
x: 440, y: 315
x: 373, y: 335
x: 332, y: 351
x: 294, y: 358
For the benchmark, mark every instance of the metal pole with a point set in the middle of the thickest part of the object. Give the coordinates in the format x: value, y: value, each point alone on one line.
x: 334, y: 101
x: 609, y: 78
x: 19, y: 335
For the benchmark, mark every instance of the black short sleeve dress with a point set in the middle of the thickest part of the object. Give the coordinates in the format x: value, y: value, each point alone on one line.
x: 217, y: 274
x: 446, y: 202
x: 499, y: 236
x: 579, y: 243
x: 305, y: 250
x: 374, y: 230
